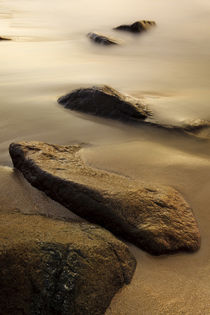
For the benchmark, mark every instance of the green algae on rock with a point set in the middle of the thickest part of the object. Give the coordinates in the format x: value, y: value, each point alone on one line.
x: 157, y: 219
x: 55, y: 267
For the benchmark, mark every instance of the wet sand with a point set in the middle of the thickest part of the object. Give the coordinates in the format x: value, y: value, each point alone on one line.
x: 177, y: 284
x: 17, y: 195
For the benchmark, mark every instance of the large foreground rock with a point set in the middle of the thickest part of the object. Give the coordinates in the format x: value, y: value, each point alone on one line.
x: 157, y: 220
x: 54, y: 267
x: 137, y: 27
x: 102, y: 39
x: 106, y: 102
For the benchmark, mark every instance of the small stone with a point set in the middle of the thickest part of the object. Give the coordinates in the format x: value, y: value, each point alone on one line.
x: 102, y: 39
x: 137, y: 27
x: 4, y: 38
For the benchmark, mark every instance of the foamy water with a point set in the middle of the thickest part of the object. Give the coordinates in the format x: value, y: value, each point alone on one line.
x: 168, y: 67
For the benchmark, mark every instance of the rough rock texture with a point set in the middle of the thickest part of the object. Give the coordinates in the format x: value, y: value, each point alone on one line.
x: 106, y: 102
x: 137, y: 27
x: 54, y: 267
x: 102, y: 39
x: 157, y: 220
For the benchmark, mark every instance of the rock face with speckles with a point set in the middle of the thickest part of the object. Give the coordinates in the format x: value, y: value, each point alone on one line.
x: 55, y: 267
x: 105, y: 101
x: 157, y: 219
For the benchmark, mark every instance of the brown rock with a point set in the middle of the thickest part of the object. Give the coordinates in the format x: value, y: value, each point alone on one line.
x: 137, y: 27
x: 102, y: 39
x: 55, y: 267
x: 106, y: 102
x: 4, y: 38
x: 157, y: 220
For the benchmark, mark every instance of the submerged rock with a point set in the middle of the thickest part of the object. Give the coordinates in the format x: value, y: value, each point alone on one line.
x: 195, y: 125
x: 106, y: 102
x: 137, y: 27
x: 55, y: 267
x: 157, y: 219
x: 4, y: 38
x: 102, y: 39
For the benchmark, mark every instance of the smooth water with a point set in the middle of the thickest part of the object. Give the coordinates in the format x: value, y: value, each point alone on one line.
x: 168, y: 67
x: 50, y: 55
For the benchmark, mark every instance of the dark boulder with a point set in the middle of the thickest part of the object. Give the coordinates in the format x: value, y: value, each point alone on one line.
x: 55, y: 267
x: 102, y: 39
x: 137, y: 27
x: 157, y: 219
x: 106, y: 102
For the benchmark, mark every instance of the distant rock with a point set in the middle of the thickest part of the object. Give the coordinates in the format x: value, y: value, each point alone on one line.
x: 157, y: 219
x: 4, y: 38
x: 106, y: 102
x: 137, y: 27
x: 102, y: 39
x: 55, y: 267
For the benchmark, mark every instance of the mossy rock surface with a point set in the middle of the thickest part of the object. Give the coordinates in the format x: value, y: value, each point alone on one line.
x: 53, y: 267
